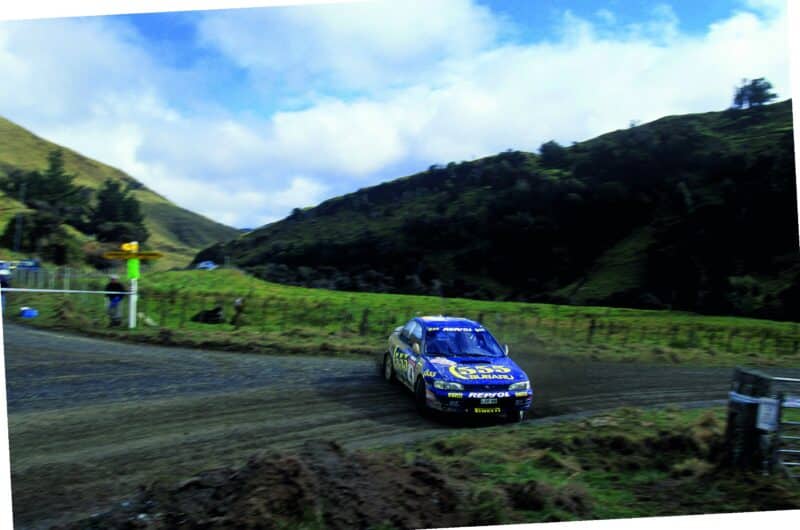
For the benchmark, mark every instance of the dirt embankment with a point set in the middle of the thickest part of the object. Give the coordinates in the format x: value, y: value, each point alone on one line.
x: 322, y: 485
x: 679, y: 471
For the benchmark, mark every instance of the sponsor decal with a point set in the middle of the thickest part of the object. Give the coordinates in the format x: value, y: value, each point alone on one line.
x: 488, y: 410
x: 454, y: 395
x: 480, y: 395
x: 476, y: 330
x: 524, y: 393
x: 481, y: 372
x: 428, y: 373
x: 400, y: 360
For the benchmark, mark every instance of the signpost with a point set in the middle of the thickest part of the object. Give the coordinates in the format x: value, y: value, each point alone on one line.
x: 130, y: 253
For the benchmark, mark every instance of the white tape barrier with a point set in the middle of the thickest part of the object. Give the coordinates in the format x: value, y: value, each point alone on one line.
x: 791, y: 402
x: 68, y: 291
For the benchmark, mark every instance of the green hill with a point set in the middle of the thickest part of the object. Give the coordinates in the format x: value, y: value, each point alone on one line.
x: 693, y: 212
x: 175, y: 231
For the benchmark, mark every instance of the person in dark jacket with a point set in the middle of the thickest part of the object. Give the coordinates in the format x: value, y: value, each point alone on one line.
x: 5, y: 282
x: 115, y: 300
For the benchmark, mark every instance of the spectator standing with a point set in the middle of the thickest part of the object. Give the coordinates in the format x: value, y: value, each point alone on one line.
x: 5, y: 282
x: 115, y: 300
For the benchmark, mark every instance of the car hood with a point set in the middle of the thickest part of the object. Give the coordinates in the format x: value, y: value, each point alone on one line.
x: 498, y: 370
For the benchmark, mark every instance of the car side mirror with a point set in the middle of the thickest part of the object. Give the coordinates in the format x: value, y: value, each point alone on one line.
x: 505, y: 349
x: 415, y: 348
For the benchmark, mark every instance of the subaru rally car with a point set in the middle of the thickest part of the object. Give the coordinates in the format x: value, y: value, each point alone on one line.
x: 455, y: 365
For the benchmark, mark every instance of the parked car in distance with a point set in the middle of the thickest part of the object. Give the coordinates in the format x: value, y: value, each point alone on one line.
x: 206, y: 266
x: 29, y: 265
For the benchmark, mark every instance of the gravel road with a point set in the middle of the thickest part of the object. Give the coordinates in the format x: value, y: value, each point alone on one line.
x: 90, y: 420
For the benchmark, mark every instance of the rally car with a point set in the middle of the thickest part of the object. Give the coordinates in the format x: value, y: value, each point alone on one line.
x: 455, y: 365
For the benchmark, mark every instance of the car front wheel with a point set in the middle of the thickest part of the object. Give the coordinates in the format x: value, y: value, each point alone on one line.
x: 420, y: 399
x: 517, y: 417
x: 388, y: 369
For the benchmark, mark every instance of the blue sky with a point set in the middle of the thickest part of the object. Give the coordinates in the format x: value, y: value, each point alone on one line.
x: 244, y: 114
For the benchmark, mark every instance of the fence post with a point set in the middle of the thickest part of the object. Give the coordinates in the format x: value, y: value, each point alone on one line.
x: 163, y: 314
x: 133, y: 302
x: 741, y: 434
x: 364, y: 324
x: 182, y: 315
x: 731, y: 334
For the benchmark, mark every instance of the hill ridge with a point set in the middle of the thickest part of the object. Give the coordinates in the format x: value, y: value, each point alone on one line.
x: 705, y: 190
x: 173, y: 228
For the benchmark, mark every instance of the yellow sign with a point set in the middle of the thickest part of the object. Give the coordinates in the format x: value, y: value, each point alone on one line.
x: 116, y: 254
x: 133, y: 246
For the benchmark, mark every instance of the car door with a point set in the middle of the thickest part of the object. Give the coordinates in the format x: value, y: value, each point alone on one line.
x: 413, y: 359
x: 402, y: 351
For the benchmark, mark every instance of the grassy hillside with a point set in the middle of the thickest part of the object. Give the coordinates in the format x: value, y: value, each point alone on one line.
x: 695, y: 212
x: 174, y: 230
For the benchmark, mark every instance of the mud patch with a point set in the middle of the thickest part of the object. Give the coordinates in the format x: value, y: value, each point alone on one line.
x: 321, y: 486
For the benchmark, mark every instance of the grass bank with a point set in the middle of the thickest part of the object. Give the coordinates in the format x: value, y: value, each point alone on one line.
x: 628, y: 463
x: 286, y: 318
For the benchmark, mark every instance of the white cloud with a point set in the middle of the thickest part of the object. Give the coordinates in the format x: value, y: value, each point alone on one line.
x: 434, y: 85
x: 363, y: 46
x: 520, y: 96
x: 606, y: 16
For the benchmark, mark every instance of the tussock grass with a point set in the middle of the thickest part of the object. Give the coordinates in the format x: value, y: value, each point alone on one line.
x: 626, y: 463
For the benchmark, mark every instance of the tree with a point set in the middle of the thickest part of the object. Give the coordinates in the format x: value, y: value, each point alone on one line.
x: 55, y: 201
x: 753, y: 94
x: 117, y: 216
x: 553, y: 155
x: 53, y: 190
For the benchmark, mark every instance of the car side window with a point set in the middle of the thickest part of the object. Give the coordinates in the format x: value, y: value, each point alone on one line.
x: 416, y: 333
x: 406, y: 333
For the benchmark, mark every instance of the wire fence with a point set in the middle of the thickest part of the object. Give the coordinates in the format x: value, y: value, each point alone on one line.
x: 568, y: 327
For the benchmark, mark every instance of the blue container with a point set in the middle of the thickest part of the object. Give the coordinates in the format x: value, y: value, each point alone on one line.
x: 28, y: 312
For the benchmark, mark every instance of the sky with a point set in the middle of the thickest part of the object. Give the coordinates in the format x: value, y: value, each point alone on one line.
x: 244, y: 114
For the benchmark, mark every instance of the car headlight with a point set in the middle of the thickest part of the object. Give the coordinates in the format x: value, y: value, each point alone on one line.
x: 522, y: 385
x: 446, y: 385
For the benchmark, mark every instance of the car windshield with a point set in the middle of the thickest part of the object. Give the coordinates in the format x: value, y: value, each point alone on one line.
x: 461, y: 341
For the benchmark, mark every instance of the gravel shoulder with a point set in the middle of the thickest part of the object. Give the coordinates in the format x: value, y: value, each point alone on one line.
x: 91, y: 420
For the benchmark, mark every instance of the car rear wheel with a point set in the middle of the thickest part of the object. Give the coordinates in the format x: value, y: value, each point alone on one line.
x: 388, y: 369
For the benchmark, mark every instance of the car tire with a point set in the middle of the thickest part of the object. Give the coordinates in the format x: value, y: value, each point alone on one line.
x: 420, y: 399
x: 388, y: 369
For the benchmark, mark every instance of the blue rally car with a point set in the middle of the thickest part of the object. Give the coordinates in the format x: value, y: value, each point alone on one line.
x: 455, y: 365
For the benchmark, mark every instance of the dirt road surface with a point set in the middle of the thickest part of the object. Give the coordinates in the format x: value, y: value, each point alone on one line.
x: 91, y: 420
